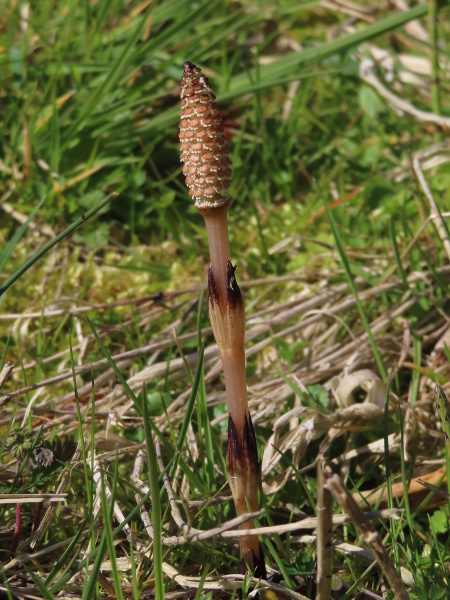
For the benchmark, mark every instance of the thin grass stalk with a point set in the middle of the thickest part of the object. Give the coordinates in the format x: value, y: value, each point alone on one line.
x: 17, y: 527
x: 207, y: 170
x: 134, y: 578
x: 99, y: 549
x: 87, y: 476
x: 443, y: 410
x: 39, y: 584
x: 108, y: 515
x: 351, y: 283
x: 71, y: 550
x: 434, y: 37
x: 30, y: 262
x: 156, y: 507
x: 189, y: 411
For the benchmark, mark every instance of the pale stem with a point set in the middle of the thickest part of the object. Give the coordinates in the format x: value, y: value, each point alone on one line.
x: 219, y: 248
x: 248, y: 542
x: 233, y: 358
x: 233, y: 363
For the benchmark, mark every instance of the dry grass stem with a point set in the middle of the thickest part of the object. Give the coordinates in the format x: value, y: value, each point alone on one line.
x: 228, y: 582
x: 367, y: 532
x: 137, y: 472
x: 313, y: 523
x: 176, y: 515
x: 399, y: 104
x: 324, y: 510
x: 435, y: 214
x: 32, y: 498
x: 281, y: 314
x: 417, y: 491
x: 5, y: 373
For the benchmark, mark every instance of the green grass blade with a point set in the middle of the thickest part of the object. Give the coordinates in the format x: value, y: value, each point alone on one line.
x: 156, y: 507
x: 351, y: 283
x: 437, y: 547
x: 387, y: 456
x: 398, y: 262
x: 81, y: 565
x: 108, y: 515
x: 89, y: 588
x: 447, y: 351
x: 134, y: 573
x: 202, y: 410
x: 205, y: 569
x: 75, y: 225
x: 7, y: 588
x: 87, y: 475
x: 416, y: 375
x: 271, y: 548
x: 39, y: 584
x: 291, y: 63
x: 67, y: 552
x: 189, y: 409
x: 406, y: 480
x: 113, y: 365
x: 125, y: 385
x: 114, y: 74
x: 7, y: 251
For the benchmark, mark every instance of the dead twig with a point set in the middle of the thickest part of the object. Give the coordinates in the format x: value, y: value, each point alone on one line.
x: 435, y: 214
x: 324, y: 509
x: 368, y: 534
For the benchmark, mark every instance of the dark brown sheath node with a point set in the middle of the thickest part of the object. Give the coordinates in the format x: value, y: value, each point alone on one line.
x: 256, y: 565
x: 234, y: 296
x: 249, y: 447
x: 213, y: 292
x: 242, y: 451
x: 204, y: 151
x: 233, y: 457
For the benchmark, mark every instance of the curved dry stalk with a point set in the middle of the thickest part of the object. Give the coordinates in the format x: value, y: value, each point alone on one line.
x: 176, y: 515
x: 368, y: 534
x: 438, y: 220
x: 6, y: 373
x: 137, y: 472
x: 367, y: 74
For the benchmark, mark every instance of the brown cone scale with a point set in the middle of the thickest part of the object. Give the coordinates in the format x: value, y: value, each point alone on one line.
x: 204, y: 151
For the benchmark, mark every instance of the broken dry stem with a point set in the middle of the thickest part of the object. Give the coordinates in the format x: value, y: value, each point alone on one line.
x: 367, y: 532
x: 324, y: 508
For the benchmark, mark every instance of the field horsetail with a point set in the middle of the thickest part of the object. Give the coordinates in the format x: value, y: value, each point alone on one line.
x: 207, y: 169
